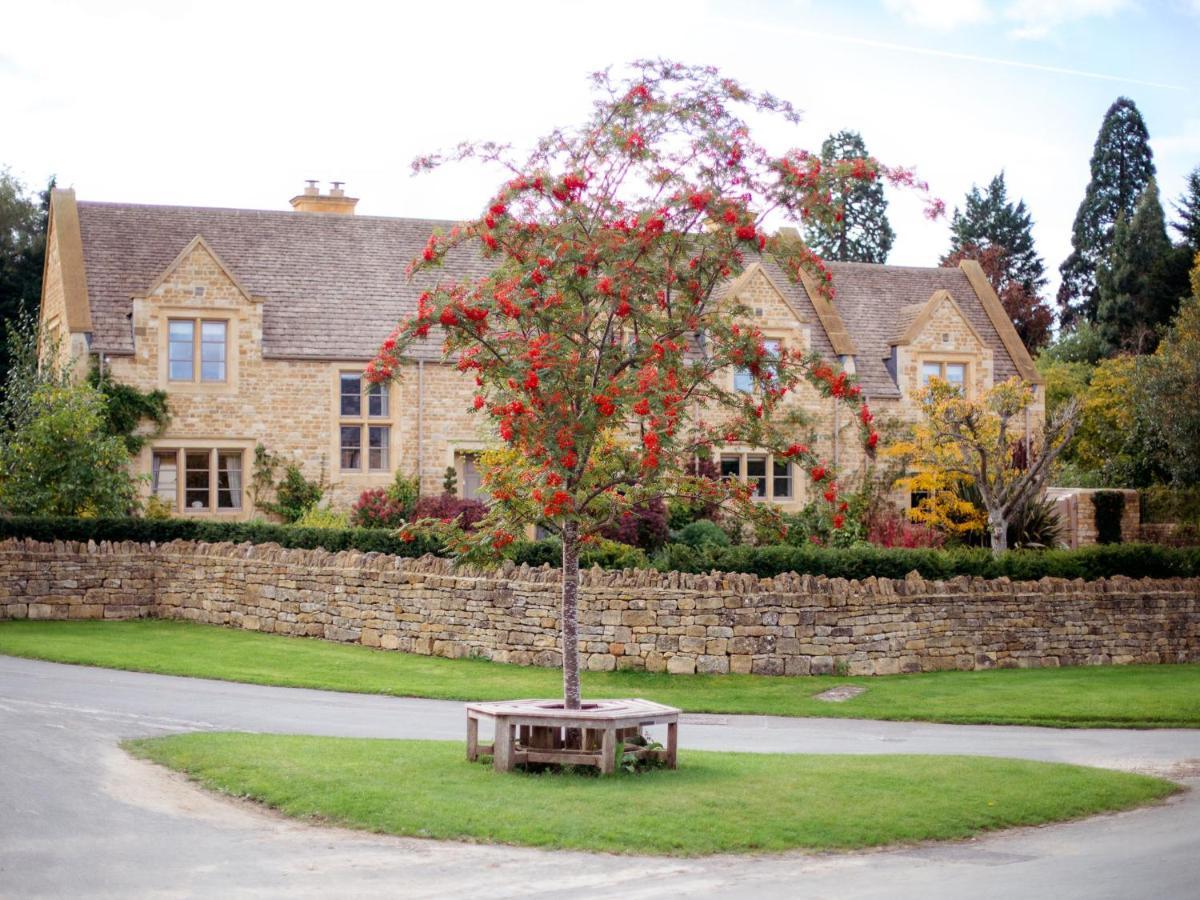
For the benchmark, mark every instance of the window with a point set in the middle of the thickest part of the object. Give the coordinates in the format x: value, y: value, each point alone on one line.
x: 165, y: 475
x: 377, y: 401
x: 351, y: 395
x: 756, y: 474
x: 950, y: 372
x: 358, y: 403
x: 229, y: 479
x: 472, y: 480
x: 180, y: 347
x: 352, y: 447
x: 769, y: 478
x: 377, y: 448
x: 742, y: 379
x: 212, y: 351
x: 782, y: 477
x: 731, y: 467
x: 189, y: 340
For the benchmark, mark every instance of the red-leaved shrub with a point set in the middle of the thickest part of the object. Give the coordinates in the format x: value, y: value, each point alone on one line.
x: 375, y: 509
x: 448, y: 507
x: 892, y: 529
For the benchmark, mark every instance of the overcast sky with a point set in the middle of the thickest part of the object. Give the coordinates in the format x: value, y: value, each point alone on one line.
x: 235, y: 104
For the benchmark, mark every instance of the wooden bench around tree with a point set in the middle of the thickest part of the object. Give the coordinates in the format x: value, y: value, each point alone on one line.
x: 543, y: 731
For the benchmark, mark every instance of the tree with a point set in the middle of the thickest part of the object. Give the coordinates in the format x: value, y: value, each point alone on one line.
x: 1168, y: 395
x: 1134, y: 285
x: 22, y: 250
x: 998, y: 234
x: 63, y: 462
x: 989, y: 220
x: 1029, y: 313
x: 1122, y: 165
x: 859, y: 231
x: 977, y: 439
x: 597, y: 336
x: 1188, y: 208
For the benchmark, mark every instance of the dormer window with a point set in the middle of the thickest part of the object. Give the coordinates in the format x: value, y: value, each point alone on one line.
x: 197, y: 349
x: 953, y: 373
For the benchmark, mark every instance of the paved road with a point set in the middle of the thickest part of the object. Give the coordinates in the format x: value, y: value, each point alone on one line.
x: 80, y: 818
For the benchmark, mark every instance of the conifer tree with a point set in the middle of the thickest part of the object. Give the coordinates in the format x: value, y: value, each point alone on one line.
x: 1137, y: 292
x: 1122, y: 164
x: 859, y: 231
x: 998, y: 234
x: 1188, y: 208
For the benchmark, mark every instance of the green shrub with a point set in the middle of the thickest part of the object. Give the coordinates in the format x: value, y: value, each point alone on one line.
x: 702, y: 533
x: 1108, y: 507
x: 1161, y: 504
x: 1133, y: 560
x: 323, y: 517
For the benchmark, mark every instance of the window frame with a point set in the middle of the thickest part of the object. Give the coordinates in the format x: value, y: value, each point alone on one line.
x: 371, y: 419
x: 197, y: 342
x: 943, y: 365
x: 212, y: 469
x: 739, y: 374
x: 770, y: 462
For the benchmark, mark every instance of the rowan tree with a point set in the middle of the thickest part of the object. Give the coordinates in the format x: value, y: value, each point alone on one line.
x: 860, y: 230
x: 598, y: 336
x: 1122, y: 165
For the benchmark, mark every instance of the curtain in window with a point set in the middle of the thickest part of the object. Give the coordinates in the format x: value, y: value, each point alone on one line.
x: 229, y: 484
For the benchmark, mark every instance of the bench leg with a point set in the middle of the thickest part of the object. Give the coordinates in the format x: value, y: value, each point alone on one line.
x: 672, y: 743
x: 502, y: 753
x: 608, y: 751
x: 472, y: 738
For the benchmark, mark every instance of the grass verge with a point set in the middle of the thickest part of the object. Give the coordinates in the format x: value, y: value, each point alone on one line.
x: 714, y: 803
x: 1085, y: 697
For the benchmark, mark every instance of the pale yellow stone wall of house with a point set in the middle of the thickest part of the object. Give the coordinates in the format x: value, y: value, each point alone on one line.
x: 72, y: 348
x: 291, y: 407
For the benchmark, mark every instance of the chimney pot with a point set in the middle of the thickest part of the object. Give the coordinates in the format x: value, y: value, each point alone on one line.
x: 334, y: 203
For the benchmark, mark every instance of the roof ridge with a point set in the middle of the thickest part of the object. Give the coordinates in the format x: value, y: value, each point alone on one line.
x: 290, y: 213
x: 890, y: 266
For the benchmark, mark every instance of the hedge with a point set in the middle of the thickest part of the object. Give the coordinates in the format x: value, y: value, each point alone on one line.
x: 1170, y: 504
x: 368, y: 540
x: 1133, y: 560
x: 1107, y: 508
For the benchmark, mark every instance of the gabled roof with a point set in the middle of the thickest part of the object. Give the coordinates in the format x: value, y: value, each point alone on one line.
x: 333, y: 286
x: 914, y: 317
x: 874, y: 299
x: 198, y: 241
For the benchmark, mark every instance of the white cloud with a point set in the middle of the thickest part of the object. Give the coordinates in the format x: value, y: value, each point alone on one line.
x: 940, y: 15
x: 1038, y: 19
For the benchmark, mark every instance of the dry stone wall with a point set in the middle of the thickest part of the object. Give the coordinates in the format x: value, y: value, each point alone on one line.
x: 791, y: 624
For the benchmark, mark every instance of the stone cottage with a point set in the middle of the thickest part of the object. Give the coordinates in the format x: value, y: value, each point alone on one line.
x: 258, y: 323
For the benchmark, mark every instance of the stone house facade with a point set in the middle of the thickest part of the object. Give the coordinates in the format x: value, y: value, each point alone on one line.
x: 258, y: 324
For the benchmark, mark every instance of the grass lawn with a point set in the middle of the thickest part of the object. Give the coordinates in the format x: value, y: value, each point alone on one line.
x: 714, y: 803
x: 1091, y: 697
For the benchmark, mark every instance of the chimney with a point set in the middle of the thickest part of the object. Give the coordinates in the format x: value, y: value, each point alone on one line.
x: 334, y: 203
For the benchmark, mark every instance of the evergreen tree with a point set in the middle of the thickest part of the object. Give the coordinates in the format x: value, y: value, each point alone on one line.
x: 1138, y: 289
x: 1188, y: 208
x: 860, y: 231
x: 998, y: 235
x: 1122, y: 164
x: 990, y: 220
x: 22, y: 250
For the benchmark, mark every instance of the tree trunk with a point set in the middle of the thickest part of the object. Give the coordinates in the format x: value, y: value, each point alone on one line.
x: 570, y: 614
x: 999, y: 528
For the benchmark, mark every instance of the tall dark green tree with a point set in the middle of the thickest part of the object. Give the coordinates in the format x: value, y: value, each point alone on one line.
x: 1188, y: 208
x: 1122, y: 165
x: 998, y: 234
x: 23, y: 220
x: 862, y: 233
x: 1141, y: 283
